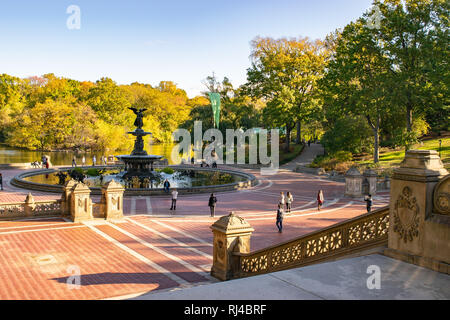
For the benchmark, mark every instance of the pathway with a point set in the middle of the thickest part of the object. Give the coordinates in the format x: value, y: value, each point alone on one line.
x: 305, y: 158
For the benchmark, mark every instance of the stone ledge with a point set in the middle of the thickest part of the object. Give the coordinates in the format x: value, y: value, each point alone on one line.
x: 424, y: 262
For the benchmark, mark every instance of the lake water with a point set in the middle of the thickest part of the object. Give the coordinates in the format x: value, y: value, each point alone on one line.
x: 58, y: 158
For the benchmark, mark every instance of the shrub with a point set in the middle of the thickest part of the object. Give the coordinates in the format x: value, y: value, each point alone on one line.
x: 343, y: 156
x: 78, y: 170
x: 168, y: 170
x: 93, y: 172
x: 348, y: 134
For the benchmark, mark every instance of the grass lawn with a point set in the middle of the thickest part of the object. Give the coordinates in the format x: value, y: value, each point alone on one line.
x: 391, y: 158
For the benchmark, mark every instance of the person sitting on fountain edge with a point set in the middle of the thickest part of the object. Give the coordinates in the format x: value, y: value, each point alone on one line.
x: 166, y: 186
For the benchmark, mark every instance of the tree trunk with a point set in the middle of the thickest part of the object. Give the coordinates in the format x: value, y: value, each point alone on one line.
x: 409, y: 116
x: 288, y: 138
x: 376, y: 144
x: 376, y: 137
x: 299, y: 132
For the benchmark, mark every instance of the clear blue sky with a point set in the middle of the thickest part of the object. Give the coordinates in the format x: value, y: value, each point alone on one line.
x: 151, y: 41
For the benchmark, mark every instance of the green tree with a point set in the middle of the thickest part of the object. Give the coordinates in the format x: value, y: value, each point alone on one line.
x: 285, y: 73
x: 357, y: 79
x: 414, y: 36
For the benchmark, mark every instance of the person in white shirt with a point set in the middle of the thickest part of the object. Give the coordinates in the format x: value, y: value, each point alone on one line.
x: 289, y: 199
x: 174, y: 199
x: 282, y: 200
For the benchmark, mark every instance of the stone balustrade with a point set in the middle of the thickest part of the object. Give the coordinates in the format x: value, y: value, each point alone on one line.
x: 75, y: 203
x: 415, y: 227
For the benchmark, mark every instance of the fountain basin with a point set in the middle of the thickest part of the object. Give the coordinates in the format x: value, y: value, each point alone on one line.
x: 241, y: 180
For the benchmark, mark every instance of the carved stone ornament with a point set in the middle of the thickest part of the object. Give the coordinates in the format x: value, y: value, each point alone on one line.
x: 220, y: 250
x: 406, y: 216
x: 441, y: 198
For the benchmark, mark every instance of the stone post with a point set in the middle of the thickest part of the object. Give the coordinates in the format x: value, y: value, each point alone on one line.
x: 65, y: 197
x: 29, y: 205
x: 416, y: 233
x: 231, y: 234
x: 81, y: 204
x: 112, y: 200
x: 387, y: 182
x: 353, y: 183
x: 371, y: 177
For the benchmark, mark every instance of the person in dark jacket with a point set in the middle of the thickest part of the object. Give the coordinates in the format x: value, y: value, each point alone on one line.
x: 166, y: 186
x: 212, y: 204
x: 369, y: 201
x: 1, y: 181
x: 280, y: 216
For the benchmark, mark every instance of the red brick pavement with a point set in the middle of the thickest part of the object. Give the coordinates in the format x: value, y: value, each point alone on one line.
x: 35, y: 254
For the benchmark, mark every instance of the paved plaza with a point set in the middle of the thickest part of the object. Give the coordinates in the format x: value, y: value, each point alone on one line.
x: 153, y: 248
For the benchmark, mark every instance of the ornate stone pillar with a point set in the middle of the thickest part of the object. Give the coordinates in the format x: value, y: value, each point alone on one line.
x: 65, y: 197
x: 81, y: 203
x: 29, y: 205
x: 112, y: 200
x: 353, y: 183
x: 417, y: 234
x: 231, y: 234
x: 371, y: 177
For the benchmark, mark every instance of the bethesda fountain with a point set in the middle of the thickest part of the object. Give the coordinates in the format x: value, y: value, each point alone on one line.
x: 137, y: 174
x: 138, y: 163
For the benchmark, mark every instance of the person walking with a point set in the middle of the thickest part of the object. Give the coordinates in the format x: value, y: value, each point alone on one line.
x: 280, y: 216
x: 1, y: 181
x: 94, y: 160
x: 83, y: 161
x: 309, y: 143
x: 74, y: 161
x: 282, y: 199
x: 105, y: 160
x: 369, y: 201
x: 320, y: 199
x: 289, y: 200
x: 212, y: 204
x: 166, y: 186
x: 174, y: 199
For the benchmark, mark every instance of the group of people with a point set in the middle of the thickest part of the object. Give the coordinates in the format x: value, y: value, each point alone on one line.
x: 94, y: 161
x: 211, y: 201
x: 284, y: 201
x: 45, y: 162
x: 320, y: 200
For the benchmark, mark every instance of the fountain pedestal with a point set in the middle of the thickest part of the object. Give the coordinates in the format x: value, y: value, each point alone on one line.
x: 138, y: 163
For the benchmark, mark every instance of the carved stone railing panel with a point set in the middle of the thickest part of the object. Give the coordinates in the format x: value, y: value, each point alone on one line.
x: 47, y: 208
x: 358, y: 233
x: 96, y: 210
x: 12, y: 210
x: 24, y: 209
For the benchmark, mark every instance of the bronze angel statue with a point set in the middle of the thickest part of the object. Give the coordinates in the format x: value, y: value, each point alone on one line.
x: 139, y: 115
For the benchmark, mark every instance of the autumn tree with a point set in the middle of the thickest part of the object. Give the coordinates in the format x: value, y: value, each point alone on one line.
x: 284, y: 73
